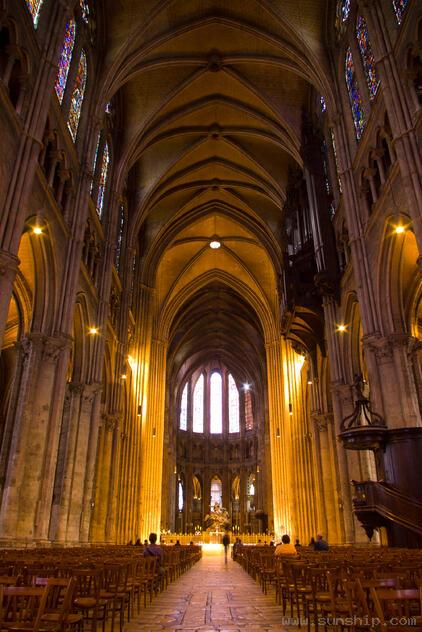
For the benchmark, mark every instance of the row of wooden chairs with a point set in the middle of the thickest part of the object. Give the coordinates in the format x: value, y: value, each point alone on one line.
x: 352, y: 591
x: 66, y: 590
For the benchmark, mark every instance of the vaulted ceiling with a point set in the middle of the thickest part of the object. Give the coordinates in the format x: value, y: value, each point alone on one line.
x: 213, y: 93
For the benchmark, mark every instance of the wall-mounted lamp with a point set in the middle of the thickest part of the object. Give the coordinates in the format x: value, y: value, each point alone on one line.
x: 257, y: 469
x: 277, y: 434
x: 175, y: 470
x: 139, y: 410
x: 399, y: 229
x: 153, y: 432
x: 93, y: 331
x: 37, y: 230
x: 290, y: 409
x: 123, y: 376
x: 341, y: 328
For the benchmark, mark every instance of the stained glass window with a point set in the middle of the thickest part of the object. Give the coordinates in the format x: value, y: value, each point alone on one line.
x: 34, y: 7
x: 248, y: 411
x: 399, y: 7
x: 233, y: 406
x: 183, y: 421
x: 198, y: 405
x: 65, y: 59
x: 103, y: 179
x: 323, y: 104
x: 367, y: 55
x: 84, y: 10
x: 216, y: 403
x: 355, y: 98
x: 344, y: 10
x: 77, y: 96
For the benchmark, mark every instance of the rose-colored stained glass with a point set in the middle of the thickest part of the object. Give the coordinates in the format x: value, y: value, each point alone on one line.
x: 367, y: 55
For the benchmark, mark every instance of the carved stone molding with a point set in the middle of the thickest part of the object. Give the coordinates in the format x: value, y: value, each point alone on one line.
x: 8, y: 265
x: 322, y: 421
x: 90, y: 391
x: 109, y: 422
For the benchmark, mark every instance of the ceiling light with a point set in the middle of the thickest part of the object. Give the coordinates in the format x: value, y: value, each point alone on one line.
x: 399, y: 229
x: 37, y: 230
x: 215, y: 245
x: 246, y: 387
x: 93, y: 331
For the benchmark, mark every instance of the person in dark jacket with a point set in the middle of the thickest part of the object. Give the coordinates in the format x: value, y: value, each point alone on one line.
x: 320, y: 544
x: 226, y: 544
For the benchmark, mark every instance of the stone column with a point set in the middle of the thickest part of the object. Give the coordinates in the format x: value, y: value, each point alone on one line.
x: 90, y: 424
x: 28, y: 488
x: 152, y: 443
x: 279, y: 430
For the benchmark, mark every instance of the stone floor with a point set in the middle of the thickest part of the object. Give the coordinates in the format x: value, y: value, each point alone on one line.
x: 211, y: 596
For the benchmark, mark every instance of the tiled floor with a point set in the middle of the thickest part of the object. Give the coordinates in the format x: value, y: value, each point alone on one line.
x: 209, y: 597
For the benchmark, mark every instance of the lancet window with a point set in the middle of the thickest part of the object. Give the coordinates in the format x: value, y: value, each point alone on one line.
x: 65, y: 59
x: 355, y: 98
x: 367, y: 56
x: 214, y: 404
x: 77, y: 96
x: 34, y: 7
x: 399, y: 7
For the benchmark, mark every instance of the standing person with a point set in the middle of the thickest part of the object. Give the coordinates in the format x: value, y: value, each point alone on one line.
x: 226, y: 544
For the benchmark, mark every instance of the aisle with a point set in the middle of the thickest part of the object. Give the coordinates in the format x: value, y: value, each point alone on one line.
x: 211, y: 597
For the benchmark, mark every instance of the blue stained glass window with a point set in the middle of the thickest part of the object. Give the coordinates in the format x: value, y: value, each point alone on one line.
x: 183, y: 420
x: 216, y: 403
x: 77, y: 96
x: 399, y: 7
x: 103, y: 180
x: 367, y: 55
x: 233, y: 406
x: 198, y: 405
x: 34, y: 7
x: 355, y: 98
x: 323, y: 104
x: 65, y: 59
x: 344, y: 10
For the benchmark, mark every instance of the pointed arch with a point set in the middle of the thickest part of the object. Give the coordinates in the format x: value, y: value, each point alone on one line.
x: 78, y: 94
x: 367, y: 56
x: 65, y: 59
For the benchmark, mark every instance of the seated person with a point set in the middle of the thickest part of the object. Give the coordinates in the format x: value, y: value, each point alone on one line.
x: 285, y: 547
x: 153, y: 549
x: 320, y: 544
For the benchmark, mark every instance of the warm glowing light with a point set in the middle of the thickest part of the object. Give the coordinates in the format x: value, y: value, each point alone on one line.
x: 214, y: 244
x: 246, y: 387
x: 132, y: 363
x: 310, y: 382
x: 139, y: 410
x: 399, y: 230
x: 341, y: 328
x: 124, y: 376
x: 37, y: 230
x: 93, y: 331
x: 290, y: 409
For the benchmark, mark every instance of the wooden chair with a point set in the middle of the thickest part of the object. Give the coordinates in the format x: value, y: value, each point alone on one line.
x: 403, y: 604
x: 23, y: 608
